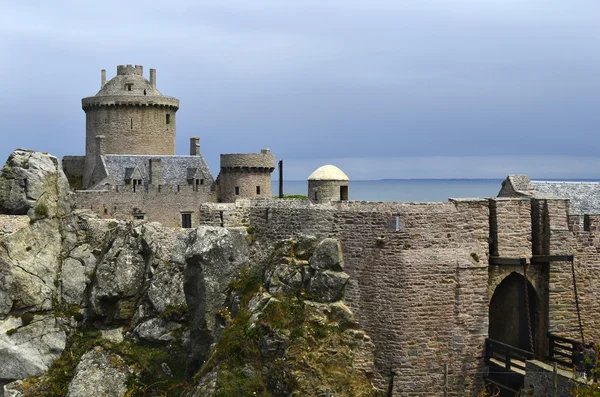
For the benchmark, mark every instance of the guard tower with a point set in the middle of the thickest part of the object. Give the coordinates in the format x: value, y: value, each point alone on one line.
x: 131, y: 114
x: 328, y: 183
x: 246, y: 175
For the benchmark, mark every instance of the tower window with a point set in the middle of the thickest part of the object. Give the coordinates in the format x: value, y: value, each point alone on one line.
x: 128, y: 86
x: 258, y: 190
x: 237, y: 190
x: 315, y: 196
x: 168, y: 119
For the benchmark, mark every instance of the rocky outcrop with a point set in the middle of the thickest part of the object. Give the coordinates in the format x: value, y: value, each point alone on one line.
x: 288, y: 332
x: 212, y: 257
x: 100, y: 373
x: 33, y: 183
x: 29, y: 345
x: 100, y: 298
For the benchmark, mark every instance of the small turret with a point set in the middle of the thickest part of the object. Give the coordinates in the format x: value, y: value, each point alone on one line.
x: 328, y: 183
x: 246, y: 175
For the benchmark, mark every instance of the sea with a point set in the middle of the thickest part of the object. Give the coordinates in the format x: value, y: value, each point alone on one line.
x: 407, y: 190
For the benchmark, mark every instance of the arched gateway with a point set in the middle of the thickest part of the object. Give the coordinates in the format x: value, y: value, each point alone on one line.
x: 510, y: 321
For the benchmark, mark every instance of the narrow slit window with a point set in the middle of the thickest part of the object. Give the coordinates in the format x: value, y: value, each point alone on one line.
x: 131, y: 121
x: 237, y: 190
x: 258, y: 190
x: 168, y: 119
x: 397, y: 223
x: 316, y: 196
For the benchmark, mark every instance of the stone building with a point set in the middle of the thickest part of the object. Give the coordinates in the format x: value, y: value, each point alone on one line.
x: 328, y: 183
x: 130, y: 169
x: 245, y: 175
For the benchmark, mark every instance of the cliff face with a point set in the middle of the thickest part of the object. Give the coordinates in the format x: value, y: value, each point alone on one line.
x: 105, y: 307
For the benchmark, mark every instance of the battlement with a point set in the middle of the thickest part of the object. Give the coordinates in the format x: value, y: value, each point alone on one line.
x: 119, y: 100
x: 255, y: 161
x: 130, y: 69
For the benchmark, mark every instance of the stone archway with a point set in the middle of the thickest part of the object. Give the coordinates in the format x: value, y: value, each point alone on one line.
x: 508, y: 313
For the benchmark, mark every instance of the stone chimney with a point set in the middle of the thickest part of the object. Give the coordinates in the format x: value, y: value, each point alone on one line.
x: 100, y: 149
x: 102, y: 77
x: 156, y: 171
x: 265, y: 151
x: 194, y: 146
x: 153, y: 78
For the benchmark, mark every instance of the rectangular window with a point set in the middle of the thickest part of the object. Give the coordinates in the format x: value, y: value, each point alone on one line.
x: 186, y: 221
x: 168, y: 119
x: 202, y: 181
x: 258, y: 190
x: 128, y: 87
x: 315, y: 196
x: 138, y: 217
x: 237, y: 190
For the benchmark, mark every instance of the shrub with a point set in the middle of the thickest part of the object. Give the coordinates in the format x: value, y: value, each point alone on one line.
x: 26, y: 318
x: 41, y: 210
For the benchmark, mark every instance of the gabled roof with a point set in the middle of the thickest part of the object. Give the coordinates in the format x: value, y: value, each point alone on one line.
x: 175, y: 169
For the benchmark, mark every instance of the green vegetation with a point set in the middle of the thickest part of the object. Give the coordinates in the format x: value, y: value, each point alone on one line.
x: 310, y: 348
x: 475, y: 256
x: 293, y: 196
x: 41, y: 210
x: 26, y: 318
x: 145, y: 360
x: 11, y: 331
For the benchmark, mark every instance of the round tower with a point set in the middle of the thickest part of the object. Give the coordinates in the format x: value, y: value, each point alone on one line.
x: 132, y: 115
x: 246, y: 176
x: 328, y: 183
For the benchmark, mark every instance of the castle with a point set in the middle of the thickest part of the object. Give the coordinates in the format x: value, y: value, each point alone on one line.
x: 130, y: 169
x: 432, y: 283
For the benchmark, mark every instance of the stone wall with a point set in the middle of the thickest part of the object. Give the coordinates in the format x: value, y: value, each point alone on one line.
x: 131, y: 129
x: 162, y: 203
x: 251, y: 183
x: 323, y: 191
x: 418, y: 278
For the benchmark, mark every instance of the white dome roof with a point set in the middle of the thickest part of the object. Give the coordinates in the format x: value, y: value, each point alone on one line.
x: 328, y: 173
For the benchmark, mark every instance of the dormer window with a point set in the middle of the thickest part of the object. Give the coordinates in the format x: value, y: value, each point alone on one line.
x: 128, y: 86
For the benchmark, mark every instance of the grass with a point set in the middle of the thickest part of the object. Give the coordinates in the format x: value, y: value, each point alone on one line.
x: 145, y: 359
x: 41, y: 210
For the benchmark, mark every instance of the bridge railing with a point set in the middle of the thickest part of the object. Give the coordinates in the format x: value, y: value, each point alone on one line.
x: 509, y: 356
x: 562, y: 350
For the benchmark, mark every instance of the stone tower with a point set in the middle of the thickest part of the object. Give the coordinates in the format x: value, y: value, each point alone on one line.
x: 328, y: 183
x: 246, y: 176
x: 131, y: 115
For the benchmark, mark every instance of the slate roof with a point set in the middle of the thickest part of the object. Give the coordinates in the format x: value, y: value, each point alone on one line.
x: 175, y: 169
x: 584, y: 196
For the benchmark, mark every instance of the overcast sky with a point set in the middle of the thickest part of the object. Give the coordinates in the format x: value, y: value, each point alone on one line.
x: 383, y: 89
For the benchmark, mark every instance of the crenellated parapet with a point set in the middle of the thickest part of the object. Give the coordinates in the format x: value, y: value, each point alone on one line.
x: 263, y: 161
x: 118, y: 100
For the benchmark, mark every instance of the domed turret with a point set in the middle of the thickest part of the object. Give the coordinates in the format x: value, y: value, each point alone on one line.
x: 328, y: 183
x: 131, y: 114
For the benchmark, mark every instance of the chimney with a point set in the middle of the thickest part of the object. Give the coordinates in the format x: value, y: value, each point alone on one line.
x: 153, y: 78
x: 103, y: 77
x: 155, y: 171
x: 265, y: 151
x: 194, y: 146
x: 100, y: 149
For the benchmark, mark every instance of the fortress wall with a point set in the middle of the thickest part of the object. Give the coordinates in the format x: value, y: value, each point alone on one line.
x: 583, y: 241
x: 163, y: 203
x: 418, y: 291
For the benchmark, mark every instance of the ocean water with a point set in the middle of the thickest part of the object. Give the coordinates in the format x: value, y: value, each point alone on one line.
x: 408, y: 190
